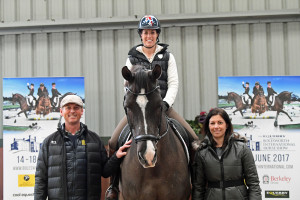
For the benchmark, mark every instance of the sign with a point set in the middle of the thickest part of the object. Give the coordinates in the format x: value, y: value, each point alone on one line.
x: 30, y: 114
x: 272, y: 126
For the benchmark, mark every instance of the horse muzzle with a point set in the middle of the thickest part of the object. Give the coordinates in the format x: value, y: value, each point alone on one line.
x: 147, y: 155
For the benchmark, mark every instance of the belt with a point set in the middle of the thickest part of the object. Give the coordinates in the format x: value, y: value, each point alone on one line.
x: 225, y: 184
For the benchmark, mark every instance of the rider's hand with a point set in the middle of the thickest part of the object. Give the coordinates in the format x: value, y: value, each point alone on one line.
x: 27, y: 84
x: 243, y: 82
x: 122, y: 150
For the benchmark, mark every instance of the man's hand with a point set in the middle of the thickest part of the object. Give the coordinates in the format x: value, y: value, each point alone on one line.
x: 122, y: 150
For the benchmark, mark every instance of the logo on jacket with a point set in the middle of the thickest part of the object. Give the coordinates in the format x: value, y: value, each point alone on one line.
x: 53, y: 142
x: 160, y: 56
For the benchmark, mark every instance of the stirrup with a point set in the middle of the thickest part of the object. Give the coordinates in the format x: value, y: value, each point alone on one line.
x: 112, y: 193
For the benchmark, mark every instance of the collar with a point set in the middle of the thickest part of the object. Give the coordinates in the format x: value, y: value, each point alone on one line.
x: 158, y: 48
x: 66, y: 133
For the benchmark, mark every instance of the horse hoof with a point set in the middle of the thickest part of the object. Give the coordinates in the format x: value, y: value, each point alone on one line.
x: 275, y: 124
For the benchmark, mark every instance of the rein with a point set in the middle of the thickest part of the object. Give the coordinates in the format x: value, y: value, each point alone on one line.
x: 140, y: 138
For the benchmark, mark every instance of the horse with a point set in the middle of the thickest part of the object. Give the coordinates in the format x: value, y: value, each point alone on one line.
x: 278, y: 105
x: 23, y: 103
x: 156, y: 166
x: 57, y: 108
x: 232, y: 96
x: 43, y: 106
x: 259, y: 103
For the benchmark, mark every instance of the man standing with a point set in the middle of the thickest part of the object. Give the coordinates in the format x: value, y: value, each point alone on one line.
x: 73, y: 159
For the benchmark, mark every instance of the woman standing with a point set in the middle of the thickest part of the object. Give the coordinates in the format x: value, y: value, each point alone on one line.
x: 224, y: 167
x: 150, y: 53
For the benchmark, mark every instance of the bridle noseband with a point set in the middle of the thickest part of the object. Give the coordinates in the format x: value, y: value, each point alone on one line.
x: 140, y: 138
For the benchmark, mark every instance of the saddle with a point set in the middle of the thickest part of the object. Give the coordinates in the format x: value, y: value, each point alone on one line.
x: 178, y: 129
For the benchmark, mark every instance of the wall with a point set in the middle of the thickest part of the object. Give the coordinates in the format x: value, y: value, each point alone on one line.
x: 91, y: 38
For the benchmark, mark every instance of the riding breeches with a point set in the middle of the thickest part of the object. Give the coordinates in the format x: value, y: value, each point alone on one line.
x: 171, y: 113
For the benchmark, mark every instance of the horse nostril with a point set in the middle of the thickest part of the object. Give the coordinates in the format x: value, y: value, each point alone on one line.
x: 141, y: 157
x: 154, y: 158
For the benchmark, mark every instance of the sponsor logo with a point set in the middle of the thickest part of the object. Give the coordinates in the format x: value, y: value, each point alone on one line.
x: 26, y: 180
x: 276, y: 179
x: 277, y: 194
x: 266, y: 179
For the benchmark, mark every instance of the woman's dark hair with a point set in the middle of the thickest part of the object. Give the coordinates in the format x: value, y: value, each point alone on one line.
x: 224, y: 115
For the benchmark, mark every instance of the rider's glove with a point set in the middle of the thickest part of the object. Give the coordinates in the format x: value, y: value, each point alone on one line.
x: 243, y: 82
x: 27, y: 84
x: 165, y: 106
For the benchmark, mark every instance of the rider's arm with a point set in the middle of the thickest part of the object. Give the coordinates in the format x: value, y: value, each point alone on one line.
x: 173, y: 81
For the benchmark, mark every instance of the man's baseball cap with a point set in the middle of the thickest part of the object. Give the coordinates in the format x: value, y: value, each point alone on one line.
x: 71, y: 99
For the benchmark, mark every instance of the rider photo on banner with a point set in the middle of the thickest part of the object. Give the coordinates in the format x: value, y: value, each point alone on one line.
x: 266, y: 110
x: 31, y: 112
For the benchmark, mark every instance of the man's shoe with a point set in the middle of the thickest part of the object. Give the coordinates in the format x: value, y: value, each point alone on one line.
x: 112, y: 193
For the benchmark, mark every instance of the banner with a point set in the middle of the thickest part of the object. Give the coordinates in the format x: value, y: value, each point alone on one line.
x: 30, y: 114
x: 271, y: 123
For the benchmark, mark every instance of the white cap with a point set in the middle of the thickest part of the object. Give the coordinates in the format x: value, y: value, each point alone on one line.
x: 71, y: 99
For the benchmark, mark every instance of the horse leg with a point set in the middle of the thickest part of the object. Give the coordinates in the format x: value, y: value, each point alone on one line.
x: 25, y: 114
x: 235, y: 111
x: 241, y: 113
x: 275, y: 123
x: 286, y: 114
x: 19, y: 113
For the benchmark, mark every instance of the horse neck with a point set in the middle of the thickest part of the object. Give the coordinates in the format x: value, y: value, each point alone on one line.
x: 235, y: 97
x: 20, y: 99
x: 283, y: 97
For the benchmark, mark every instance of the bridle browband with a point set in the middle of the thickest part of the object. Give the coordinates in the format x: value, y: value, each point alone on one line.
x: 140, y: 138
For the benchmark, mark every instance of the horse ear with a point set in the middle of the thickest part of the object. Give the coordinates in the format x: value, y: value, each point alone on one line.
x: 156, y: 72
x: 126, y: 73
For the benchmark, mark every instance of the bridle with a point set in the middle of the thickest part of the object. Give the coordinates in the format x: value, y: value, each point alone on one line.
x: 145, y: 137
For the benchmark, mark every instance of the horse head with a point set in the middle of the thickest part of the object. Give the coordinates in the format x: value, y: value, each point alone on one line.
x: 16, y: 98
x: 143, y: 108
x: 285, y: 96
x: 229, y: 96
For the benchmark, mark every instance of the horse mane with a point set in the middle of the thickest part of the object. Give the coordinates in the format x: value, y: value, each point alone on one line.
x: 282, y: 94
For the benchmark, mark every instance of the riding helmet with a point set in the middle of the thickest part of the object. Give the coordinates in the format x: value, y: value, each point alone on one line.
x: 149, y: 22
x: 257, y: 83
x: 42, y: 84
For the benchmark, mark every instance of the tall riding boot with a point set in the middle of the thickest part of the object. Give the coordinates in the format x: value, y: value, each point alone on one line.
x: 112, y: 192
